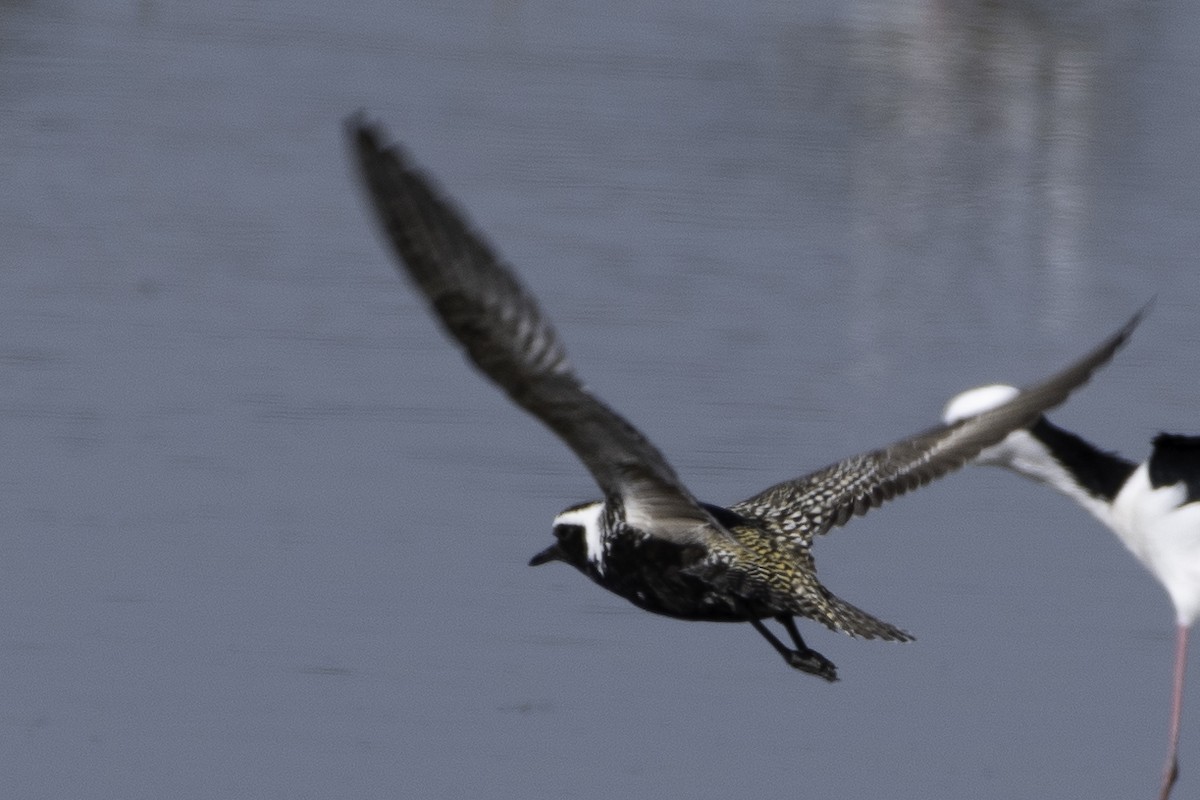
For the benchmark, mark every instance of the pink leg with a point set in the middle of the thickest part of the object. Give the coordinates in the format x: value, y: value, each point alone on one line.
x: 1172, y: 769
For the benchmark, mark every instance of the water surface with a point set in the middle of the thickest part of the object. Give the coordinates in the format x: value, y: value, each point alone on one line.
x: 265, y: 534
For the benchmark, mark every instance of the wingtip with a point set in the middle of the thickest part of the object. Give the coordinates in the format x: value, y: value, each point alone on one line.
x: 370, y: 140
x: 1121, y: 338
x: 1138, y: 316
x: 375, y: 154
x: 364, y: 134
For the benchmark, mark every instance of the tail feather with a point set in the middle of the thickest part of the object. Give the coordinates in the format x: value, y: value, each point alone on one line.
x: 838, y: 615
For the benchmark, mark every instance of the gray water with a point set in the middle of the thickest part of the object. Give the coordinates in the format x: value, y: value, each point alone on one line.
x: 264, y: 533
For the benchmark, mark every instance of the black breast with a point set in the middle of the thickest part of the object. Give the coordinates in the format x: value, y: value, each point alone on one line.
x: 653, y: 574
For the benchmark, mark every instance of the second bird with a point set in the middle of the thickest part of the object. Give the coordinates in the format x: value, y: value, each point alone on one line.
x: 1153, y: 507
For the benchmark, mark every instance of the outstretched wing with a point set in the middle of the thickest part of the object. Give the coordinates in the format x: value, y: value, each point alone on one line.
x: 483, y: 305
x: 809, y: 506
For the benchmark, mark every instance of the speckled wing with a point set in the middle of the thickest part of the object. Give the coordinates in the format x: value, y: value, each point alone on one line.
x: 485, y: 308
x: 786, y: 578
x: 809, y: 506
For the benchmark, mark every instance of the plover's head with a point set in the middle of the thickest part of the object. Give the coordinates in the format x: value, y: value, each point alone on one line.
x: 578, y: 538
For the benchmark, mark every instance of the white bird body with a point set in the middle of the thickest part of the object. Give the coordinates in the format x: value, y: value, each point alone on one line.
x: 1162, y: 530
x: 1152, y: 507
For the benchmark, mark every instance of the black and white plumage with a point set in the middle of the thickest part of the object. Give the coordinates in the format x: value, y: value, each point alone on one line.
x: 649, y: 539
x: 1152, y: 507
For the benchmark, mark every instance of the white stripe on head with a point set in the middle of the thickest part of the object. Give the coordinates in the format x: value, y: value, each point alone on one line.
x: 590, y: 517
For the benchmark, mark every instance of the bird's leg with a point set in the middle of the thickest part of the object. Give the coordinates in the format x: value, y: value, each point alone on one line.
x: 789, y: 624
x: 803, y: 658
x: 1171, y: 771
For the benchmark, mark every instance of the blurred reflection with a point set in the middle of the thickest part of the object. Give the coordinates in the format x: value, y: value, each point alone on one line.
x: 976, y: 125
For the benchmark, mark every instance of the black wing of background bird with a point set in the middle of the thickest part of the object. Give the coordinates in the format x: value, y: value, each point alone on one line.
x: 483, y: 305
x: 809, y: 506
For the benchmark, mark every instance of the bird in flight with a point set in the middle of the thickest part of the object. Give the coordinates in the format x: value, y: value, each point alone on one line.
x: 1152, y: 507
x: 649, y: 540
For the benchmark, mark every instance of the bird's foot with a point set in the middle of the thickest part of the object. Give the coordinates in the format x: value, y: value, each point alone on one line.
x: 813, y: 663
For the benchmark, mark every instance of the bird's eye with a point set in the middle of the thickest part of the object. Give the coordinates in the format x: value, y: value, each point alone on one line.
x: 564, y: 531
